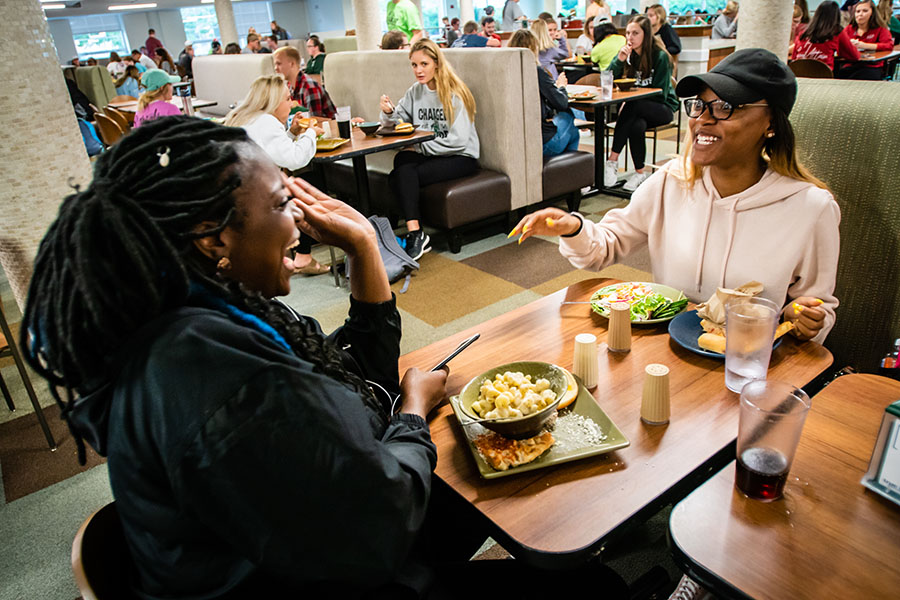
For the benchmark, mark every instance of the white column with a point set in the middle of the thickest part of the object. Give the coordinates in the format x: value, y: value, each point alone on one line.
x: 550, y: 7
x: 368, y: 24
x: 646, y: 4
x: 765, y: 24
x: 43, y: 148
x: 227, y: 28
x: 466, y: 11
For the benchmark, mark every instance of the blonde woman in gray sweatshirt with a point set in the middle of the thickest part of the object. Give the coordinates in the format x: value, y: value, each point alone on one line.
x: 439, y: 101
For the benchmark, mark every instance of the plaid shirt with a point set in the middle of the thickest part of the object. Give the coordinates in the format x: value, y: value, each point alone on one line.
x: 313, y: 96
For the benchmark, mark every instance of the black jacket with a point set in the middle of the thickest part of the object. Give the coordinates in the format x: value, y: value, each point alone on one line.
x: 553, y: 100
x: 236, y: 466
x: 670, y: 39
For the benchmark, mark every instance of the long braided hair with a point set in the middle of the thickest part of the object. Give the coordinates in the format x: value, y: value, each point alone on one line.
x: 121, y: 253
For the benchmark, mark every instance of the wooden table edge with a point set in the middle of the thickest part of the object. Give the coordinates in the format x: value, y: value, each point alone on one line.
x: 340, y: 153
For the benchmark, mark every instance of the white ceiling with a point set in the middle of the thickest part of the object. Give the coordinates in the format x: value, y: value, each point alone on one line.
x: 92, y: 7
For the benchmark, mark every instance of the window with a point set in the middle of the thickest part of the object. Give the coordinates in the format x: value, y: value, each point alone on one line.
x: 201, y: 27
x: 432, y: 12
x: 96, y: 36
x: 252, y: 14
x: 679, y: 7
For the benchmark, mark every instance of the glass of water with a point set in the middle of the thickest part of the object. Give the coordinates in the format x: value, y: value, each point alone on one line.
x: 749, y: 335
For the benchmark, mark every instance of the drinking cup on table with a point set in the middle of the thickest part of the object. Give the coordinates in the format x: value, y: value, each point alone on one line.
x: 585, y: 362
x: 749, y: 335
x: 606, y: 84
x: 772, y: 418
x: 343, y: 121
x: 326, y: 129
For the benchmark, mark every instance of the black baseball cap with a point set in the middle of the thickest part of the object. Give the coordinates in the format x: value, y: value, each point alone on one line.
x: 744, y: 77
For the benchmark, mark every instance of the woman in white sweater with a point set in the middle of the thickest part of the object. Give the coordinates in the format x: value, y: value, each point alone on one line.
x: 263, y: 114
x: 737, y: 207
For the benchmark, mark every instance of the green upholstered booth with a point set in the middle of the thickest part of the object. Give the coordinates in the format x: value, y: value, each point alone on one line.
x: 848, y: 134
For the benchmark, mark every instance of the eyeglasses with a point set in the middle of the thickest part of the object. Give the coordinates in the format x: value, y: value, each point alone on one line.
x: 718, y: 109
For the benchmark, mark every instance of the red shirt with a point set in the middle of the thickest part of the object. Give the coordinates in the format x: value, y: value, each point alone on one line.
x: 151, y: 45
x: 313, y: 96
x: 825, y: 51
x: 879, y: 36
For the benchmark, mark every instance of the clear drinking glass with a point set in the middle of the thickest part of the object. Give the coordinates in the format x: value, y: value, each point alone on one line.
x: 749, y: 335
x: 606, y: 84
x: 772, y: 418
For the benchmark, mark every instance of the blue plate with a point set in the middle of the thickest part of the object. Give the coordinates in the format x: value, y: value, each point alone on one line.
x: 685, y: 329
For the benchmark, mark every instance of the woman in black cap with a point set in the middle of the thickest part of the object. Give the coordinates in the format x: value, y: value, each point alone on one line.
x: 737, y: 207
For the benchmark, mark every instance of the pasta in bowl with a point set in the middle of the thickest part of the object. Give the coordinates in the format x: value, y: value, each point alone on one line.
x: 515, y: 399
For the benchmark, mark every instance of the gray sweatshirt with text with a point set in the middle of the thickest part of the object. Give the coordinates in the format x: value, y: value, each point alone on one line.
x: 422, y: 107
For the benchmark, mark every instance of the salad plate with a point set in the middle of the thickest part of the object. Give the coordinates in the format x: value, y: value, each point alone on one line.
x: 647, y: 300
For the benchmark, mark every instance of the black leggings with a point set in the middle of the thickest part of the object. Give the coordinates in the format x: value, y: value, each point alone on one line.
x: 634, y: 119
x: 412, y: 171
x: 860, y: 71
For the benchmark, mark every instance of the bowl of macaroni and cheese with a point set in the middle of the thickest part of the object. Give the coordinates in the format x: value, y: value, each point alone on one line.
x: 515, y: 399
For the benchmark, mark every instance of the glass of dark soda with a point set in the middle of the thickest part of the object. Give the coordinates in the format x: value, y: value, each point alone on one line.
x: 772, y: 418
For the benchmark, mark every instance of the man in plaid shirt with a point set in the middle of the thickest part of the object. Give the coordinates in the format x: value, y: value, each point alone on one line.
x: 304, y: 90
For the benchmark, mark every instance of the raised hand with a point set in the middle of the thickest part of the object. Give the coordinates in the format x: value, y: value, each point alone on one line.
x: 547, y: 221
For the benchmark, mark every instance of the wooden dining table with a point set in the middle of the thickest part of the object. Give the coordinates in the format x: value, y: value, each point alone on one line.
x: 598, y: 106
x: 361, y: 145
x: 560, y: 516
x: 828, y: 537
x: 130, y: 106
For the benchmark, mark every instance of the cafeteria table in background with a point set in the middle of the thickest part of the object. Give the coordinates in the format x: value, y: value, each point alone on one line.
x: 598, y: 106
x: 828, y: 537
x: 358, y: 147
x: 560, y: 516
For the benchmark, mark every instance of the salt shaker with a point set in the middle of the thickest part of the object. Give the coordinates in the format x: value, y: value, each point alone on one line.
x: 619, y: 337
x: 655, y: 400
x: 585, y: 362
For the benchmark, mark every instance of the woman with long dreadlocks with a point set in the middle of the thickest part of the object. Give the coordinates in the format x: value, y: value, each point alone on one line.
x: 246, y: 451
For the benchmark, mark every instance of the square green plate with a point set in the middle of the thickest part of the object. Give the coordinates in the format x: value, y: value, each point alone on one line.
x: 567, y: 447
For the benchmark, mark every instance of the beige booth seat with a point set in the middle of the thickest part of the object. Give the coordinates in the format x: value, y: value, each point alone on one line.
x: 503, y: 82
x: 344, y: 43
x: 226, y: 78
x: 96, y: 84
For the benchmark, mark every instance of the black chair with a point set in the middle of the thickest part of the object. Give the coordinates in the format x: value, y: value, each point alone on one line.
x: 8, y: 347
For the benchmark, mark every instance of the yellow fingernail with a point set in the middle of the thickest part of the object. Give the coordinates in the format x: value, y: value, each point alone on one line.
x: 524, y: 229
x: 520, y: 240
x: 820, y: 301
x: 797, y: 308
x: 512, y: 233
x: 550, y: 222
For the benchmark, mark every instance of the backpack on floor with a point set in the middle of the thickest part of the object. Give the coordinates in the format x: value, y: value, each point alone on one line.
x: 397, y: 262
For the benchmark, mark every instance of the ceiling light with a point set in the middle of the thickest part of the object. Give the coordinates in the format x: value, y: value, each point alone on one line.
x: 52, y: 6
x: 131, y: 6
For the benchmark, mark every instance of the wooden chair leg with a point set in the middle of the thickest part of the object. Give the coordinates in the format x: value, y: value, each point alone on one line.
x: 6, y: 395
x: 20, y: 366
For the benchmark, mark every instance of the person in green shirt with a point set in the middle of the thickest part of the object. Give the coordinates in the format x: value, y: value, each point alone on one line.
x: 403, y: 15
x: 644, y: 58
x: 608, y: 42
x: 316, y: 50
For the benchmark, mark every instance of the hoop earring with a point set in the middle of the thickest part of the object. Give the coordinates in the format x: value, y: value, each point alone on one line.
x: 224, y: 264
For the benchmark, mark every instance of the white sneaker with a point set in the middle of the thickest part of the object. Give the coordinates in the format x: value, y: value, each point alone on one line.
x: 635, y: 180
x: 611, y: 173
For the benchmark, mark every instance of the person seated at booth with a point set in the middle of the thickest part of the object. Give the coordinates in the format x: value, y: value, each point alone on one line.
x: 738, y: 206
x: 307, y: 92
x: 316, y: 50
x: 551, y: 44
x: 825, y: 37
x: 867, y: 32
x: 558, y: 130
x: 439, y: 101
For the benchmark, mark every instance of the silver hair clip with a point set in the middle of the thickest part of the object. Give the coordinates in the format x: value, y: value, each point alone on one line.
x: 163, y: 157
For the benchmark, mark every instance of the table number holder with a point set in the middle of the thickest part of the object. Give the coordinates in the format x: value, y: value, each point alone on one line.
x: 883, y: 476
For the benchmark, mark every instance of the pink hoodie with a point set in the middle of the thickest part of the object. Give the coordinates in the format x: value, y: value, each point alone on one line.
x: 781, y: 232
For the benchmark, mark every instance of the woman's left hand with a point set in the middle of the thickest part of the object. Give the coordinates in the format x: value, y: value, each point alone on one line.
x: 329, y: 220
x: 807, y: 315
